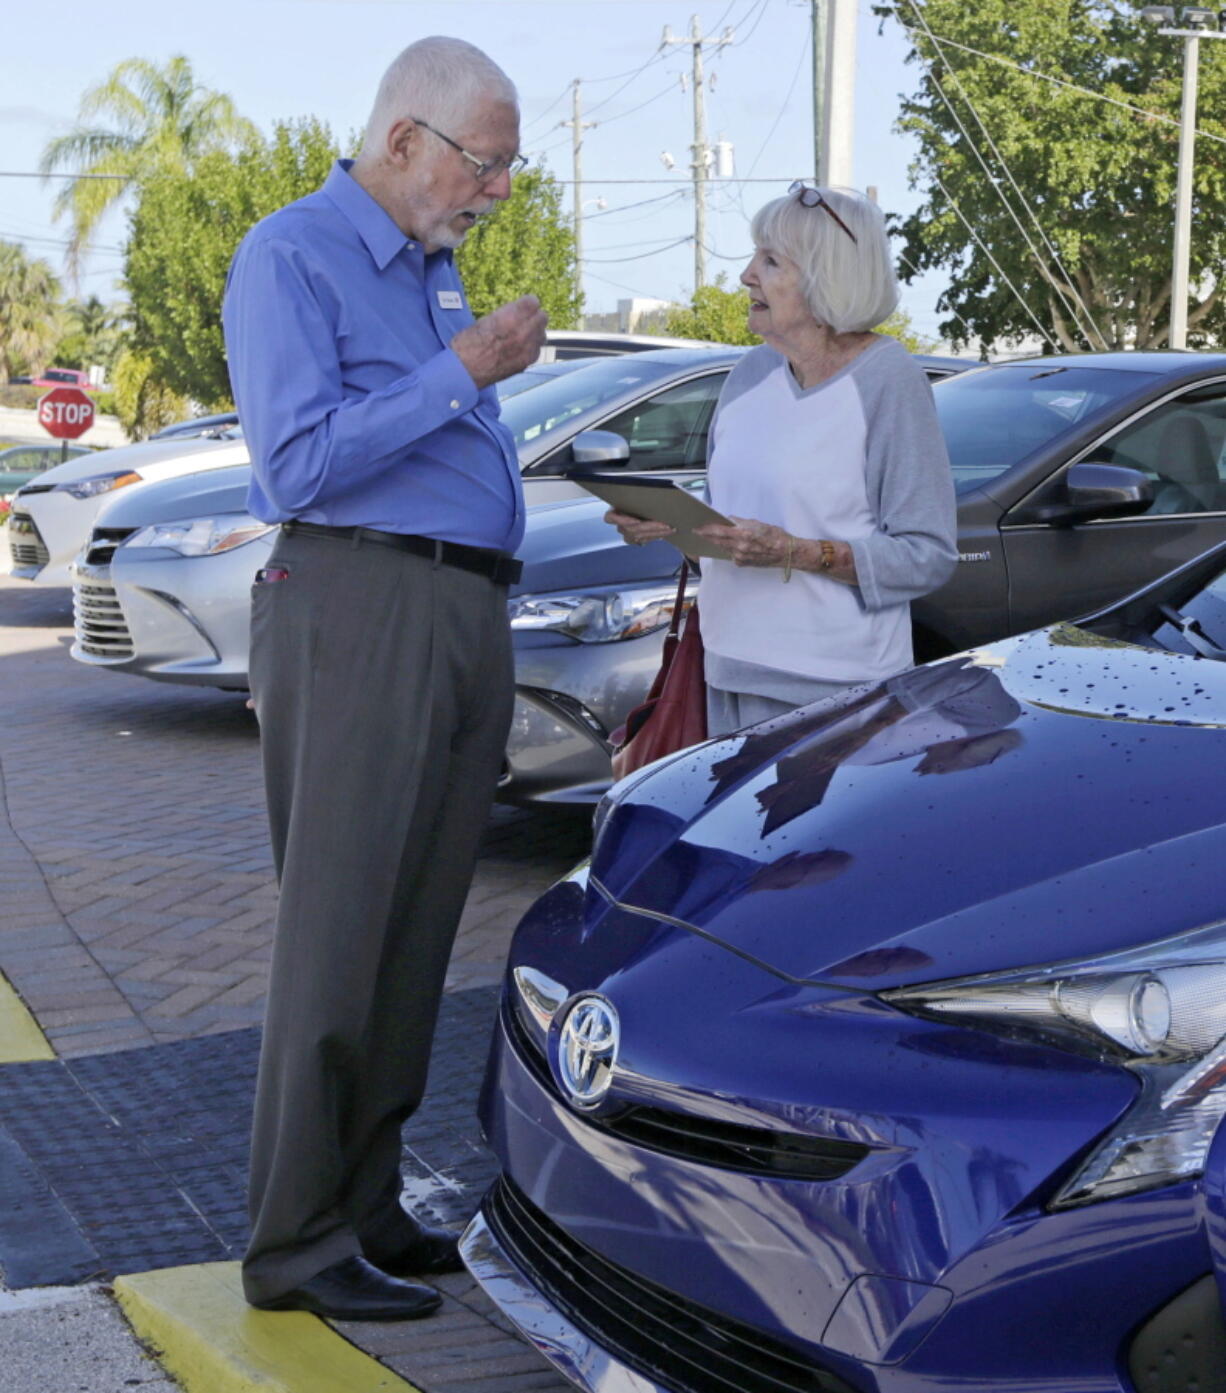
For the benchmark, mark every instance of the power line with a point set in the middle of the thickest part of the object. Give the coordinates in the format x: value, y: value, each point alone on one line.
x: 1052, y: 280
x: 1158, y: 116
x: 36, y: 174
x: 999, y: 271
x: 626, y: 207
x: 609, y: 260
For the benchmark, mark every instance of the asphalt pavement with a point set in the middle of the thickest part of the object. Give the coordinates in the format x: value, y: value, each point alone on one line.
x: 136, y: 908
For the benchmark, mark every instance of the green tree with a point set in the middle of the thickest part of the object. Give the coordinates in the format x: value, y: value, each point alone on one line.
x: 526, y: 246
x: 29, y: 311
x: 143, y: 403
x: 714, y: 313
x: 143, y: 120
x: 184, y: 232
x: 1099, y: 176
x: 900, y: 327
x: 93, y: 333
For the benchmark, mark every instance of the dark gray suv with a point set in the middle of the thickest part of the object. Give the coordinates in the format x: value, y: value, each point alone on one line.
x: 1079, y: 480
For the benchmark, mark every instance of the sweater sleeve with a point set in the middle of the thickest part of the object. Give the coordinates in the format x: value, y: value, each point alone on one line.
x: 915, y: 548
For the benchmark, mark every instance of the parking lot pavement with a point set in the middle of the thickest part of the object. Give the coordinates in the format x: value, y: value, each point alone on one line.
x: 136, y: 904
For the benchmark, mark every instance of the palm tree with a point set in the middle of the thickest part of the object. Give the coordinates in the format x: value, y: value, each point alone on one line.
x: 29, y: 311
x: 160, y: 119
x: 93, y: 333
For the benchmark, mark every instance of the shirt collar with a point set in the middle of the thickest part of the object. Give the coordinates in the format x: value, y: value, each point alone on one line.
x: 384, y: 240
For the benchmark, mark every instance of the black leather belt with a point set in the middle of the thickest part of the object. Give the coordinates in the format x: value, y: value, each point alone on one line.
x: 501, y: 568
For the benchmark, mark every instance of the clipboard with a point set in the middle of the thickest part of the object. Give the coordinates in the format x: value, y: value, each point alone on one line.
x: 660, y: 500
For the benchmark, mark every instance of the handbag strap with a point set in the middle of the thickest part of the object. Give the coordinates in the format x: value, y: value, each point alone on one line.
x: 674, y: 624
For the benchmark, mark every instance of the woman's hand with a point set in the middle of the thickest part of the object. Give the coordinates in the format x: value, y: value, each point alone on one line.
x: 750, y: 543
x: 638, y: 531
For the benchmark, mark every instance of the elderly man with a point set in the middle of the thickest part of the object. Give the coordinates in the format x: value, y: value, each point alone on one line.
x: 380, y: 664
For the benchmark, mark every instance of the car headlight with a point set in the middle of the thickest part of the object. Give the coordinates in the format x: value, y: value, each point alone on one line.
x: 599, y: 616
x: 201, y: 536
x: 99, y: 483
x: 1160, y: 1011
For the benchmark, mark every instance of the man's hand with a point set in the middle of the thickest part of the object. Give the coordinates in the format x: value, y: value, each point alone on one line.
x: 504, y: 342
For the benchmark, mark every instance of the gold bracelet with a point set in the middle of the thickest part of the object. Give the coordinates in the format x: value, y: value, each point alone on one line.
x: 827, y: 561
x: 787, y: 564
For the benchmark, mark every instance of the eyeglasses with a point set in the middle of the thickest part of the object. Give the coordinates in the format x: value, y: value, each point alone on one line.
x: 810, y: 197
x: 483, y: 170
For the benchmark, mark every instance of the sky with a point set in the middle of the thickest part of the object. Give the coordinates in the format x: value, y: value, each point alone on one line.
x: 287, y: 58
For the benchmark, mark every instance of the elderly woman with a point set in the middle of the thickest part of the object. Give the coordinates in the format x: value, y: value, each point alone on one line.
x: 827, y: 456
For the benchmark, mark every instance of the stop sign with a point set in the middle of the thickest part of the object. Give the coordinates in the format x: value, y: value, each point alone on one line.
x: 65, y: 412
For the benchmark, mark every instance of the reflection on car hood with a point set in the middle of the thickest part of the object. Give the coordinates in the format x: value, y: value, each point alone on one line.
x: 139, y: 458
x: 1043, y: 799
x: 187, y: 496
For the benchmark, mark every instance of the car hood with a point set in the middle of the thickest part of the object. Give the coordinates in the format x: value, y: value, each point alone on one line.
x: 567, y: 544
x: 143, y: 458
x: 1046, y: 798
x: 200, y: 495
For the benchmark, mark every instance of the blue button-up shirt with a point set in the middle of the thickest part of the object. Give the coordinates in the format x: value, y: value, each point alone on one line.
x: 356, y: 410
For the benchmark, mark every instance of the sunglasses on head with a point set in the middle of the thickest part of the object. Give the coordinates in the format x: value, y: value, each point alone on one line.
x: 809, y: 196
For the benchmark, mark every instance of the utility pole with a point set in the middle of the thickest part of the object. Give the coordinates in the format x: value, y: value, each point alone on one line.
x: 838, y: 126
x: 1199, y: 26
x: 578, y: 125
x: 701, y: 149
x: 817, y: 14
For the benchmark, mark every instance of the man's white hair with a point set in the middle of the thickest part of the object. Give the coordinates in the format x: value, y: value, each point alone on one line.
x: 441, y: 81
x: 849, y: 286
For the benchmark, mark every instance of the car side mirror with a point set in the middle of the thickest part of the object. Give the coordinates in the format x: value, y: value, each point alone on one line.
x: 1096, y: 490
x: 600, y: 447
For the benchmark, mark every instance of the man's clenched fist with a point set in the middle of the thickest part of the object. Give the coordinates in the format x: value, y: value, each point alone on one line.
x: 504, y: 342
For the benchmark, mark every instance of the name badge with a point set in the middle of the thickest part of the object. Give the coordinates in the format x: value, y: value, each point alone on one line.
x: 450, y: 300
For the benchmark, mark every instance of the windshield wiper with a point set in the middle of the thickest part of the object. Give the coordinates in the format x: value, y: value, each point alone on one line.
x: 1192, y: 634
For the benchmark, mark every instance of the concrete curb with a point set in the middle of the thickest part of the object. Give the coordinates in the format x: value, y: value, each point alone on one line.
x: 20, y: 1038
x: 204, y: 1334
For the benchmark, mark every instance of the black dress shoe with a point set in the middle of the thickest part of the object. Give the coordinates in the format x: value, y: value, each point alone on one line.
x: 354, y: 1289
x: 431, y: 1253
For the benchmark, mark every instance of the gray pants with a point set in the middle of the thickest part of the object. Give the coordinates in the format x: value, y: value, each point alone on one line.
x: 383, y: 686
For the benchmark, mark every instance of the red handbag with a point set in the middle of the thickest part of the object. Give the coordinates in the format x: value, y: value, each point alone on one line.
x: 674, y: 716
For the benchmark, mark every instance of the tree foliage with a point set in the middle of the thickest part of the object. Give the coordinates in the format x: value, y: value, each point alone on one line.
x: 184, y: 232
x: 143, y: 403
x: 526, y: 246
x: 1099, y: 177
x: 92, y: 332
x: 143, y: 120
x: 29, y: 311
x: 715, y: 313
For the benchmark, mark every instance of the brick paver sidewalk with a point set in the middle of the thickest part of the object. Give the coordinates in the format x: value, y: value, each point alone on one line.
x: 137, y: 898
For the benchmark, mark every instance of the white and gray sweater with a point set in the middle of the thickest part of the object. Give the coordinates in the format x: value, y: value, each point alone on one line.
x: 859, y: 458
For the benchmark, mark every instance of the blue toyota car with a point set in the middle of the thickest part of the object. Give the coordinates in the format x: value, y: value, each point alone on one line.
x: 882, y: 1047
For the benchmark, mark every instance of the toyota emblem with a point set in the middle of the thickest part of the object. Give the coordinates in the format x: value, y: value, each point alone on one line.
x: 587, y: 1050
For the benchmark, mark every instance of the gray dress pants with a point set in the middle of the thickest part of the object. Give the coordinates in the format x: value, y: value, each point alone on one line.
x: 383, y: 686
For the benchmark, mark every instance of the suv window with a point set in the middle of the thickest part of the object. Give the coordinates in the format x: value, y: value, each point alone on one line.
x: 1181, y: 447
x: 669, y: 431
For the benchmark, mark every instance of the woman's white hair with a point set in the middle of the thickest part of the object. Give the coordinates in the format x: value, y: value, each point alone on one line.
x: 849, y: 286
x: 439, y: 79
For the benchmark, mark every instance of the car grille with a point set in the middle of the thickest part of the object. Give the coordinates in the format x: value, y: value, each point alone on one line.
x: 27, y: 489
x: 102, y: 631
x: 687, y: 1347
x: 102, y: 544
x: 709, y: 1141
x: 26, y: 543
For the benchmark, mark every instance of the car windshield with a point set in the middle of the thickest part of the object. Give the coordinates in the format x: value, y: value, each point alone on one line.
x: 1199, y: 626
x: 533, y: 414
x: 995, y: 417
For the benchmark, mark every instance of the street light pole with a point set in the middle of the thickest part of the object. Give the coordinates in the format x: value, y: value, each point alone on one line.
x: 1198, y: 21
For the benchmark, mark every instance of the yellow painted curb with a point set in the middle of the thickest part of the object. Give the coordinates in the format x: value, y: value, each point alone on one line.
x: 206, y: 1336
x: 20, y: 1038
